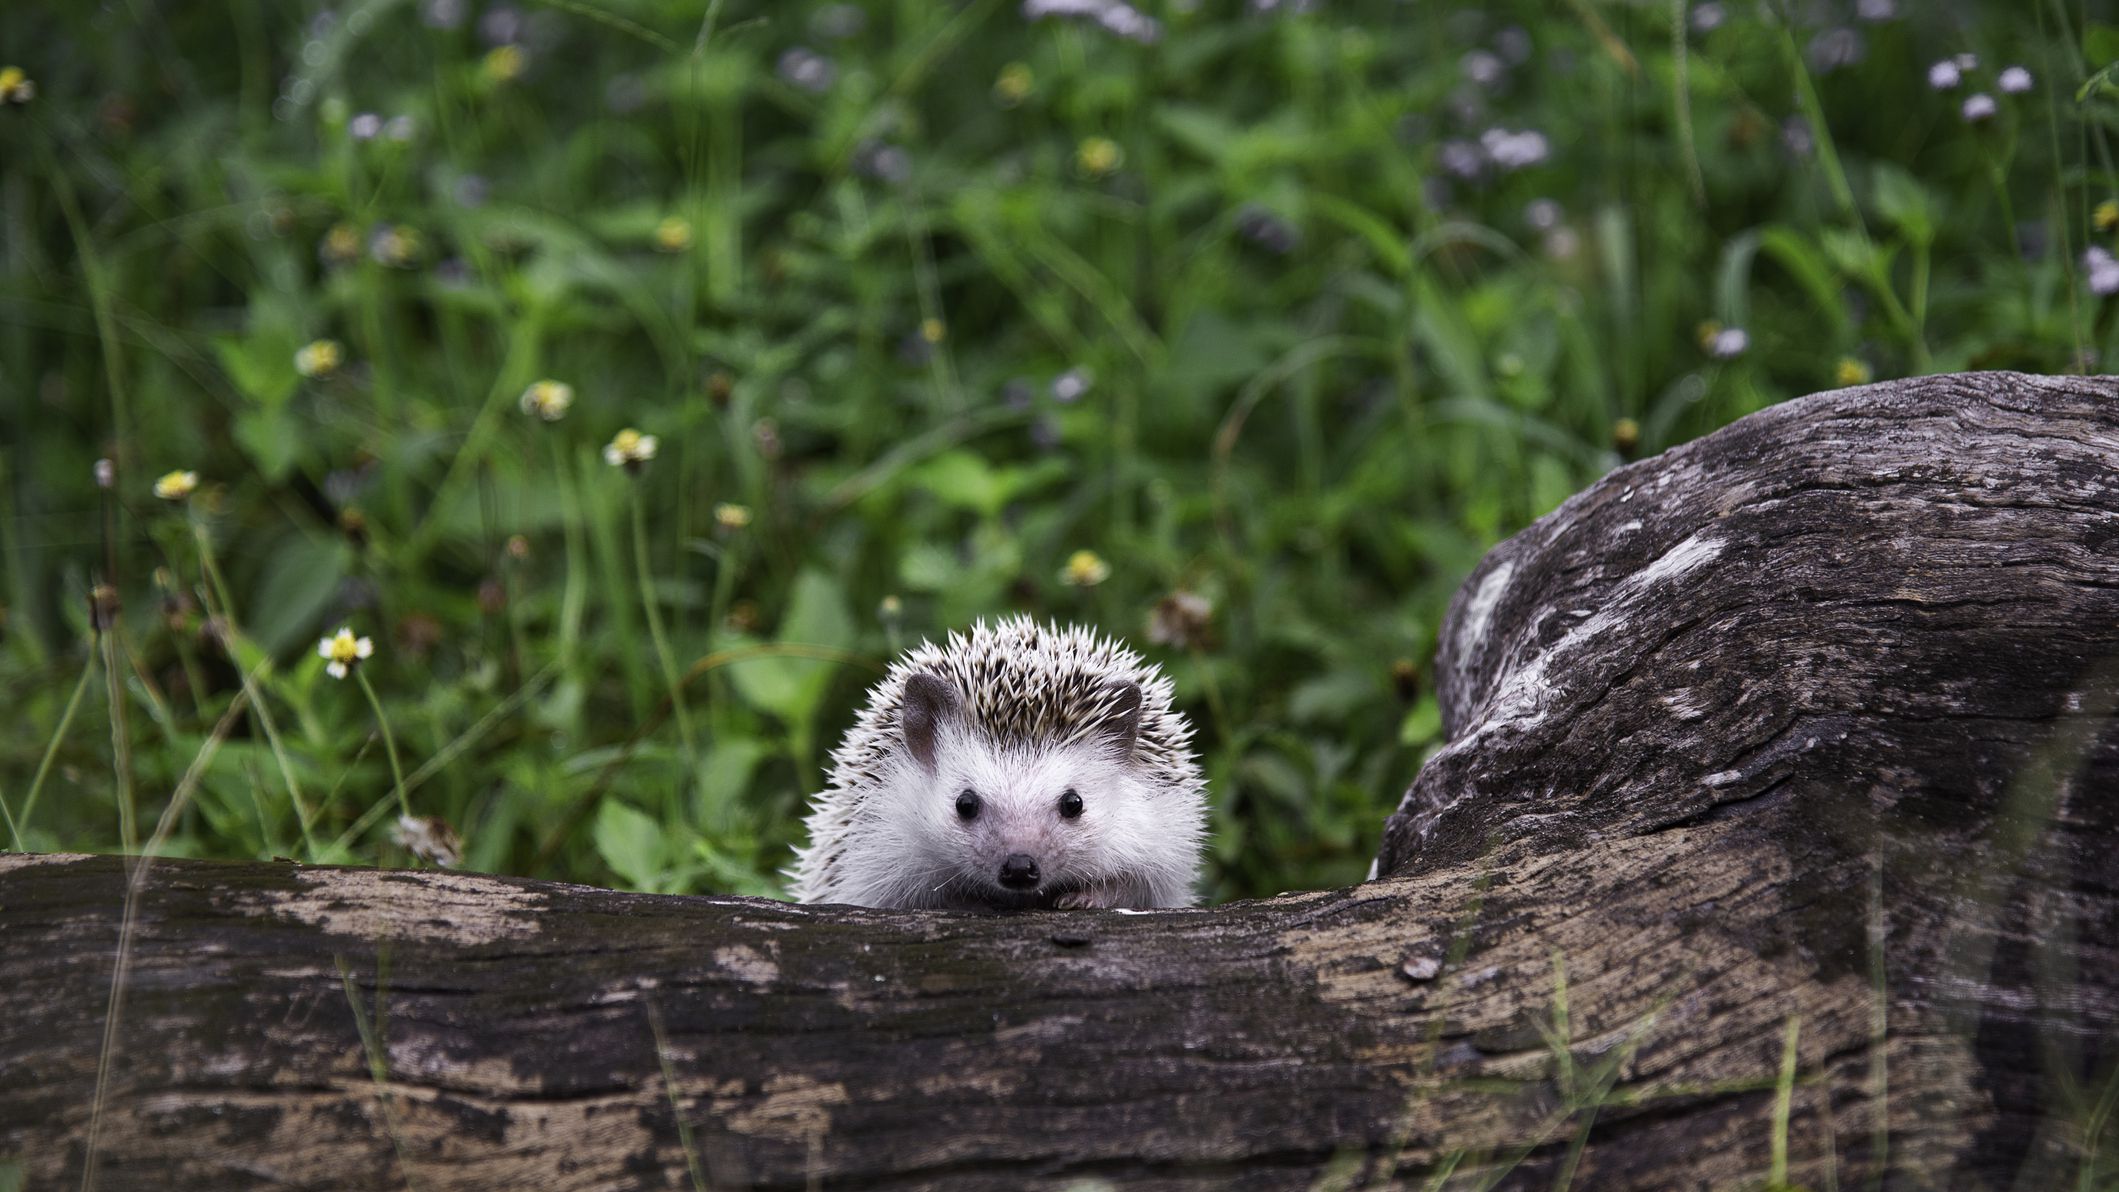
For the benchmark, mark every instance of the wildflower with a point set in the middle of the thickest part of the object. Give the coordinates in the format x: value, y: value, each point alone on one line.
x: 932, y: 330
x: 1708, y: 17
x: 1117, y: 18
x: 882, y: 162
x: 2106, y: 217
x: 1850, y: 371
x: 1461, y: 158
x: 890, y: 610
x: 319, y: 358
x: 1979, y: 107
x: 1013, y: 84
x: 1944, y: 75
x: 1625, y: 435
x: 106, y: 473
x: 2103, y: 269
x: 548, y: 399
x: 503, y: 63
x: 1085, y: 569
x: 810, y: 71
x: 518, y: 547
x: 16, y: 87
x: 1835, y: 48
x: 175, y: 486
x: 365, y: 126
x: 2014, y: 81
x: 1796, y: 137
x: 1543, y: 214
x: 629, y: 449
x: 1481, y: 68
x: 1723, y: 343
x: 395, y: 245
x: 1514, y: 150
x: 1268, y: 231
x: 673, y: 234
x: 342, y: 652
x: 1098, y: 156
x: 1069, y: 386
x: 1876, y: 11
x: 1181, y: 619
x: 429, y: 838
x: 731, y: 516
x: 341, y: 245
x: 444, y: 14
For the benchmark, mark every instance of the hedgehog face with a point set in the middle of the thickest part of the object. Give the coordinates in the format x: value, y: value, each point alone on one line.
x: 1019, y: 828
x: 1012, y: 825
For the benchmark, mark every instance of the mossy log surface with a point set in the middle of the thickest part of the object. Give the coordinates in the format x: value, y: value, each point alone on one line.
x: 1792, y: 746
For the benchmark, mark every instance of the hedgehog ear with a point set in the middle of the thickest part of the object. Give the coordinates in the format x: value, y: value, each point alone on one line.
x: 929, y: 700
x: 1122, y: 728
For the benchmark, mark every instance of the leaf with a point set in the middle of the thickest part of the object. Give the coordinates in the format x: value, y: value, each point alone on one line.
x: 261, y: 366
x: 272, y: 439
x: 1905, y: 204
x: 300, y: 579
x: 792, y: 688
x: 631, y: 843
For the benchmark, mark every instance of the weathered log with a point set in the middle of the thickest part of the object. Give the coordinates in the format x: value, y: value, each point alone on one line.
x: 1796, y: 743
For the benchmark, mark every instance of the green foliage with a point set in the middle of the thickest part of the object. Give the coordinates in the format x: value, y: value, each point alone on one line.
x: 939, y: 296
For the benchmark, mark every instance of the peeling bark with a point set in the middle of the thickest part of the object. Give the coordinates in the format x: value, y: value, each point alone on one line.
x: 1801, y: 732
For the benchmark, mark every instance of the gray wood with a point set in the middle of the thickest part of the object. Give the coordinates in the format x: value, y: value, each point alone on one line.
x: 1808, y: 722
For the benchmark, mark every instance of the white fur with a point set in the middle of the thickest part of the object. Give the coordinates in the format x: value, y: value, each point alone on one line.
x: 1034, y: 722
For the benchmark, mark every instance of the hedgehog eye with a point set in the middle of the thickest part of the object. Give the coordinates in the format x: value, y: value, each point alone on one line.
x: 1070, y: 804
x: 967, y: 804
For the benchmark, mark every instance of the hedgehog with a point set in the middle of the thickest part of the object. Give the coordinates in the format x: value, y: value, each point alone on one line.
x: 1017, y: 766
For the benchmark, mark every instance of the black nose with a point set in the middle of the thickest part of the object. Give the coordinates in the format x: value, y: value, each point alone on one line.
x: 1019, y: 871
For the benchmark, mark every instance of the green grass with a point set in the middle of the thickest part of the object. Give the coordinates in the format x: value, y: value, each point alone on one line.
x: 1323, y: 374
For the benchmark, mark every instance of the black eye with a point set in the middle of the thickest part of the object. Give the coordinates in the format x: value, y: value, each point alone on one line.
x: 1070, y: 804
x: 967, y: 804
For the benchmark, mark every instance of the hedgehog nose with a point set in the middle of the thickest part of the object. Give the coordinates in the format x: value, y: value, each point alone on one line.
x: 1019, y: 871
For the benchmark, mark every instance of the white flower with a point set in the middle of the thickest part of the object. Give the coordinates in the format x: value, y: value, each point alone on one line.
x: 548, y: 399
x: 364, y: 126
x: 1729, y: 343
x: 106, y: 473
x: 1944, y: 75
x: 1514, y: 150
x: 341, y: 651
x: 629, y: 449
x: 1707, y: 17
x: 2103, y: 269
x: 2014, y: 81
x: 1069, y: 386
x: 319, y: 358
x: 1876, y: 10
x: 1979, y: 107
x: 175, y: 486
x: 1543, y: 214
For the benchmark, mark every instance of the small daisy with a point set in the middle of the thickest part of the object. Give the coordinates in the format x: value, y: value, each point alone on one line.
x: 16, y: 87
x: 1850, y: 371
x: 1625, y: 434
x: 932, y: 330
x: 2014, y: 81
x: 175, y: 486
x: 106, y: 473
x: 342, y: 652
x: 429, y: 838
x: 548, y: 399
x: 503, y: 63
x: 731, y: 516
x: 629, y: 449
x: 1098, y: 156
x: 2106, y: 217
x: 319, y: 358
x: 395, y: 245
x: 1979, y: 107
x: 1085, y: 569
x: 341, y: 245
x: 1723, y: 343
x: 673, y: 234
x: 1014, y: 84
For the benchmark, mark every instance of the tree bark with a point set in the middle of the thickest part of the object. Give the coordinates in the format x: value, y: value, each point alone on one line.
x: 1774, y: 840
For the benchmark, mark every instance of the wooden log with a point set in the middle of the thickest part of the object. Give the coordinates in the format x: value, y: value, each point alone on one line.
x: 1775, y: 840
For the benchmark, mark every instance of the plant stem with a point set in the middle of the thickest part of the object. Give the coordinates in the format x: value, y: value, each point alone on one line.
x: 382, y: 722
x: 654, y: 630
x: 51, y: 750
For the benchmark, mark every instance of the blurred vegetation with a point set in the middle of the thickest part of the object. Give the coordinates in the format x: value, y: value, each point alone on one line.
x: 1282, y: 312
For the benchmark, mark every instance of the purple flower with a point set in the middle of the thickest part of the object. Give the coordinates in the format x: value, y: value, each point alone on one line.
x: 1944, y: 75
x: 1979, y: 107
x: 2014, y: 81
x: 2103, y: 269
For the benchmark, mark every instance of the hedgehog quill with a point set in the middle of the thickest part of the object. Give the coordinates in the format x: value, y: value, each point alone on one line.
x: 1016, y: 766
